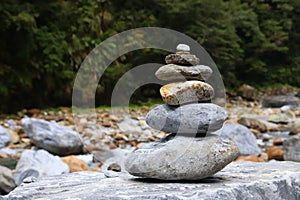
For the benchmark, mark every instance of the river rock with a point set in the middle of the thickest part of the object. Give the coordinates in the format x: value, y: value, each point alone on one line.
x: 180, y: 157
x: 242, y: 136
x: 176, y: 72
x: 238, y: 180
x: 186, y: 92
x: 183, y: 48
x: 279, y: 101
x: 182, y: 59
x: 4, y: 137
x: 187, y: 119
x: 253, y: 123
x: 38, y: 163
x: 7, y: 182
x: 291, y: 148
x: 55, y: 138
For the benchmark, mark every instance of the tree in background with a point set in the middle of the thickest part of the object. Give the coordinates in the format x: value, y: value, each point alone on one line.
x: 43, y: 43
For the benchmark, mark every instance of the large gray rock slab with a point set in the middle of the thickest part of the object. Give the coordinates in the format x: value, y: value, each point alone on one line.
x: 186, y: 92
x: 7, y: 182
x: 38, y: 163
x: 187, y: 119
x: 56, y: 139
x: 242, y: 136
x: 4, y: 137
x: 238, y: 180
x: 291, y: 147
x: 180, y: 157
x: 279, y: 101
x: 176, y: 72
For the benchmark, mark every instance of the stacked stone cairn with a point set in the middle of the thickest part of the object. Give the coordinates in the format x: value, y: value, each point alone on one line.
x: 191, y: 151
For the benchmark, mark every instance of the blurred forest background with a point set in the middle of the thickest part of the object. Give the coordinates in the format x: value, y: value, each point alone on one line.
x: 44, y: 42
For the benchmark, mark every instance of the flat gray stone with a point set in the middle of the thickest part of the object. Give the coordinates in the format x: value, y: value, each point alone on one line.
x: 56, y: 139
x: 182, y: 158
x: 4, y: 137
x: 238, y: 180
x: 7, y: 182
x: 186, y: 92
x: 291, y: 148
x: 187, y: 119
x: 38, y: 163
x: 176, y: 72
x: 242, y: 136
x: 182, y: 59
x: 279, y: 101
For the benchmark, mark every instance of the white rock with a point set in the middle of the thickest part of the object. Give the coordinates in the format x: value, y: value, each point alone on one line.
x: 4, y: 137
x: 38, y: 163
x: 183, y: 47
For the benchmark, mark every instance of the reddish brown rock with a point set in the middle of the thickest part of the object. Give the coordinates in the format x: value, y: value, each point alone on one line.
x: 253, y: 158
x: 275, y: 153
x: 75, y: 164
x: 186, y: 92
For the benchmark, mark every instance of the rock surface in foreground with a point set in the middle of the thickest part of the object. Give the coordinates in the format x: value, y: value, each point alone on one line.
x: 238, y: 180
x: 182, y: 158
x: 56, y: 139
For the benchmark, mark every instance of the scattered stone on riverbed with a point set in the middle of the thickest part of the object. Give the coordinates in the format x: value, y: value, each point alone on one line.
x: 242, y: 136
x: 55, y: 138
x: 279, y: 101
x: 7, y: 182
x: 38, y: 163
x: 291, y: 148
x: 4, y: 137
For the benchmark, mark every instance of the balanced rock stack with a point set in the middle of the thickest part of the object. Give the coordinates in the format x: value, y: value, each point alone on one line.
x: 191, y: 151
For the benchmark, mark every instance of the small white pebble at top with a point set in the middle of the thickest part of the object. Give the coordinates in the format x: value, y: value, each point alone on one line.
x: 183, y: 47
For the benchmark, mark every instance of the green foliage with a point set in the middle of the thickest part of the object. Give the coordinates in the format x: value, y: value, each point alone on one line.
x: 43, y: 43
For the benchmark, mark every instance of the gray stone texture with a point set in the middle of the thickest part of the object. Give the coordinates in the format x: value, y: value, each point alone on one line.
x: 176, y: 72
x: 182, y: 59
x: 279, y: 101
x: 7, y: 182
x: 182, y: 158
x: 291, y: 148
x: 238, y: 180
x: 38, y: 163
x: 4, y: 137
x: 186, y: 92
x: 242, y: 136
x: 54, y: 138
x: 187, y: 119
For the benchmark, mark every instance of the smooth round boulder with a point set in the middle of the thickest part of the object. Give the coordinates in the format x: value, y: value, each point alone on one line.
x: 51, y: 136
x: 182, y: 158
x: 186, y: 92
x: 187, y: 119
x: 172, y: 72
x: 279, y: 101
x: 182, y: 59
